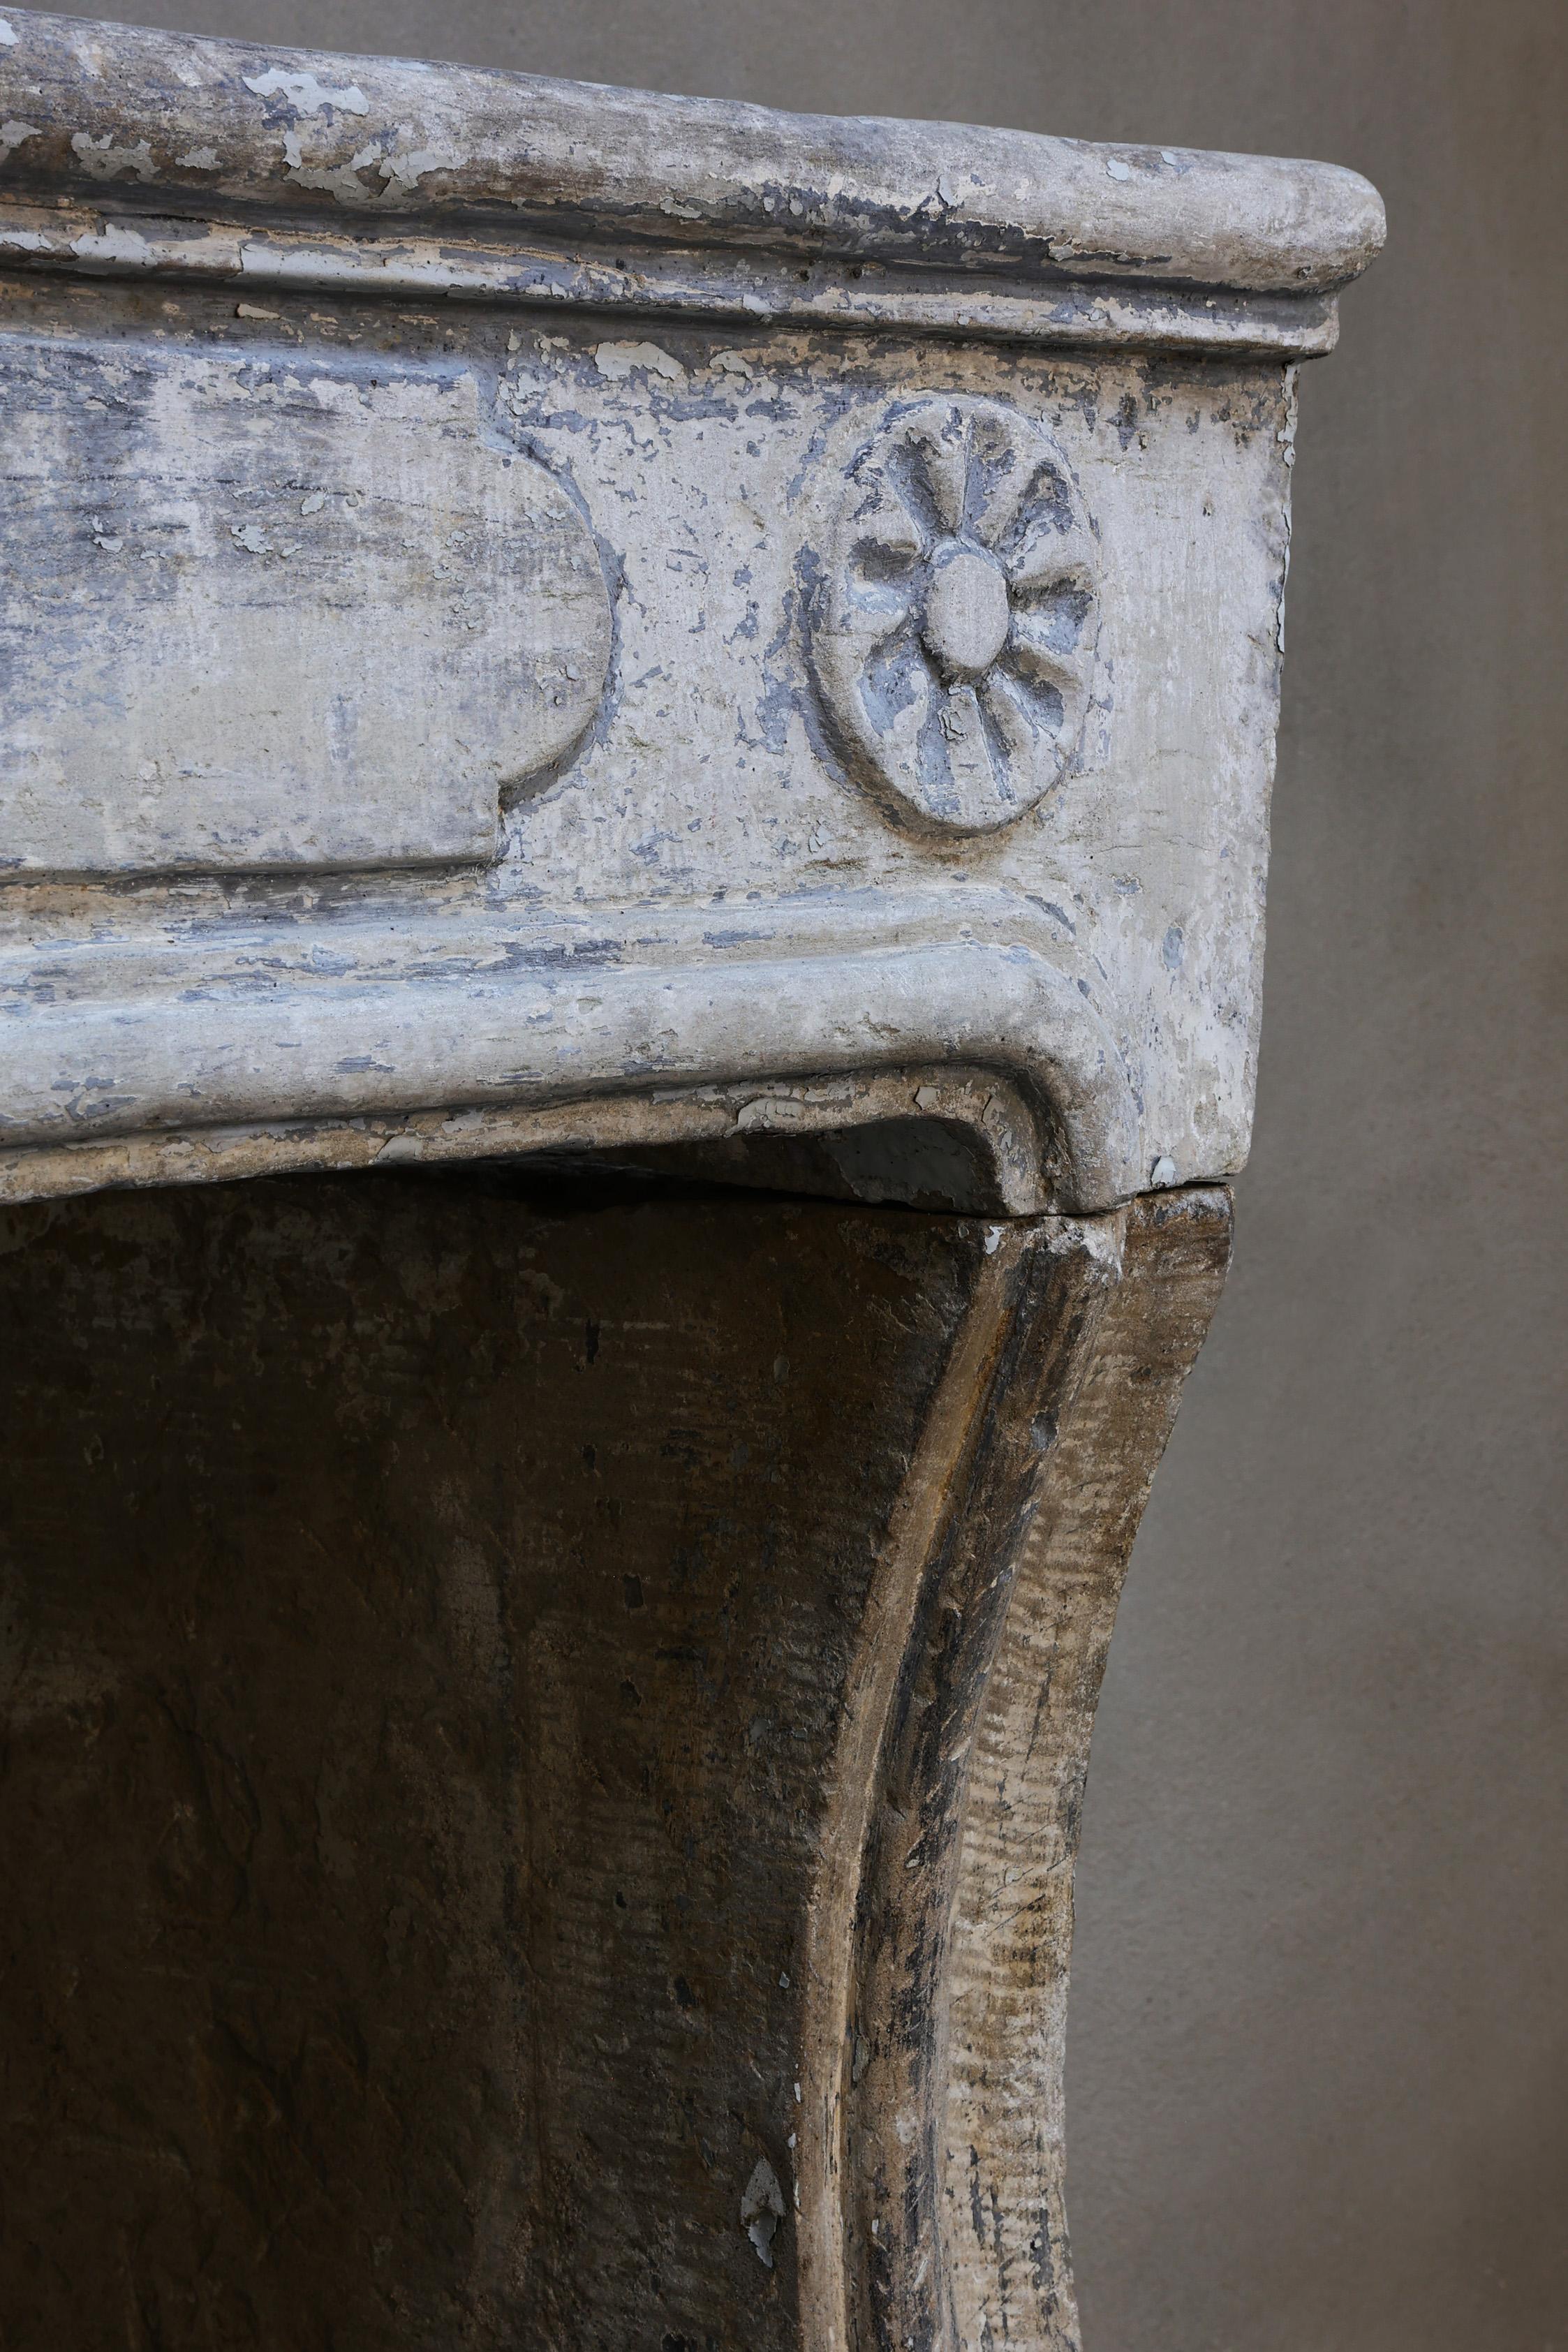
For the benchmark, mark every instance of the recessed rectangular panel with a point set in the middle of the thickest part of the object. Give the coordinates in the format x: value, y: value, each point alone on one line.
x: 274, y: 611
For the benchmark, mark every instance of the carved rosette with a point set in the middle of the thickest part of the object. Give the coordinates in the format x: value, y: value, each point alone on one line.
x: 955, y: 631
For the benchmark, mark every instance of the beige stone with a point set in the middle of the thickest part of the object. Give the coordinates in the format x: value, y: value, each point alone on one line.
x: 725, y: 667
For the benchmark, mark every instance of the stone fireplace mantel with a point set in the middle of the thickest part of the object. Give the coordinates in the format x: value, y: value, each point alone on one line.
x: 721, y: 668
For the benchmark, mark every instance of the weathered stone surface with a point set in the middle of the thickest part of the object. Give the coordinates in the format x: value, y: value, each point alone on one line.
x: 515, y: 1721
x: 1023, y: 833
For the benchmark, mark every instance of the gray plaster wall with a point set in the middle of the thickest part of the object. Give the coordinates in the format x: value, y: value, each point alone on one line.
x: 1319, y: 2058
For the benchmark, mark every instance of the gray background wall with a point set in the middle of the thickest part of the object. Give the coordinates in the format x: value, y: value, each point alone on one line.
x: 1318, y: 2063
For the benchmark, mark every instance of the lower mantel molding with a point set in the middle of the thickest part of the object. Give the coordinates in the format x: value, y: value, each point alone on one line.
x: 547, y: 1736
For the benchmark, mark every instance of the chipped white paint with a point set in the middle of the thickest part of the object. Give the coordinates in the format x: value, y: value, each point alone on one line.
x: 105, y: 159
x: 114, y: 242
x: 762, y: 2210
x: 447, y: 576
x: 617, y: 361
x: 306, y: 94
x: 404, y: 170
x: 341, y: 180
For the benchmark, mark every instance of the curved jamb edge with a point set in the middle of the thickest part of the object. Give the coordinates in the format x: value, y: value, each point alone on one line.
x: 1004, y: 2234
x: 517, y: 1041
x: 954, y: 1139
x: 830, y: 2065
x: 932, y: 2162
x: 899, y: 2284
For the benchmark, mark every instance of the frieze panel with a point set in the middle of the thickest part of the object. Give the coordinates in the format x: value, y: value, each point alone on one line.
x: 275, y: 609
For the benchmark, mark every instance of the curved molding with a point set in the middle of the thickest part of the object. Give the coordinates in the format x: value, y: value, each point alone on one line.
x: 347, y: 1048
x: 950, y: 1139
